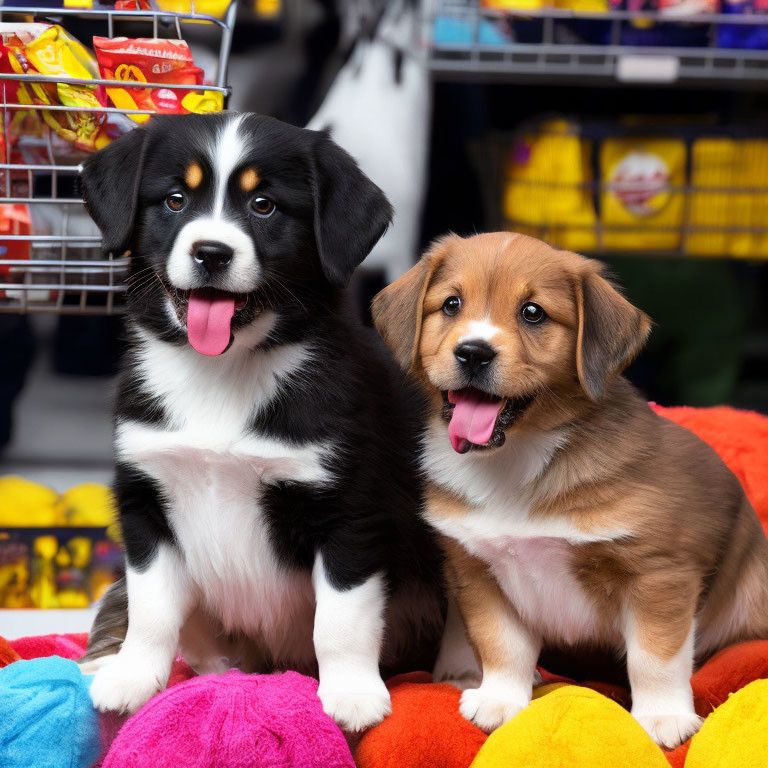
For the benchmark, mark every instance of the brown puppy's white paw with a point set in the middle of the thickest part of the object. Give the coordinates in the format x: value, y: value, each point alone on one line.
x: 670, y: 730
x: 359, y: 709
x: 490, y: 709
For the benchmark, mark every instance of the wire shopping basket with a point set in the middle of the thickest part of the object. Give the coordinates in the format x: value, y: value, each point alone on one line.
x: 50, y: 251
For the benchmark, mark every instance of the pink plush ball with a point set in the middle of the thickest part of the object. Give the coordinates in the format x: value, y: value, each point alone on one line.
x: 233, y: 721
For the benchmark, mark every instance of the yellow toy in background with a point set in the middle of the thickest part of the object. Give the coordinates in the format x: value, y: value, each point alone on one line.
x: 56, y: 551
x: 547, y: 192
x: 639, y: 177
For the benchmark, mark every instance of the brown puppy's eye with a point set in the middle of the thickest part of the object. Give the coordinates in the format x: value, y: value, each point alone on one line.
x: 532, y: 313
x: 175, y: 202
x: 262, y: 206
x: 451, y: 305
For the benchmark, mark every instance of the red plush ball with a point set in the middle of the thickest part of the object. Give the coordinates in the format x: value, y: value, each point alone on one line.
x: 727, y: 672
x: 67, y: 646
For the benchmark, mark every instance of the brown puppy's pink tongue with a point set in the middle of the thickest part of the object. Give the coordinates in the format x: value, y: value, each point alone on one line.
x: 473, y: 418
x: 209, y: 320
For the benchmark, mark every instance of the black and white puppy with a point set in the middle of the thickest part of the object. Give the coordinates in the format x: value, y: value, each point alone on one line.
x: 265, y: 445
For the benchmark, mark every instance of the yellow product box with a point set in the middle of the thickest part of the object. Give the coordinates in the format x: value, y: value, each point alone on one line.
x: 513, y: 5
x: 585, y: 6
x: 547, y: 192
x: 729, y: 190
x: 641, y: 202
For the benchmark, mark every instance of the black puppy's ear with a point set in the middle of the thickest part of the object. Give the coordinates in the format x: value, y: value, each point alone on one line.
x: 109, y: 181
x: 611, y: 332
x: 351, y: 212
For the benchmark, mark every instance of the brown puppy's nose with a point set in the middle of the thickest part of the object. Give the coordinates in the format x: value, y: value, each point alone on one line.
x: 473, y: 356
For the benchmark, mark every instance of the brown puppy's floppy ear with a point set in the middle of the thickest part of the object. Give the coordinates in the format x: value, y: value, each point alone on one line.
x: 397, y: 310
x: 611, y: 332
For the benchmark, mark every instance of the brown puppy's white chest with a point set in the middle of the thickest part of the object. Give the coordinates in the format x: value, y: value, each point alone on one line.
x: 534, y: 558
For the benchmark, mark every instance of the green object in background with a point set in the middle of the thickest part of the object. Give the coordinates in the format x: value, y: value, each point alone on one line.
x: 694, y: 353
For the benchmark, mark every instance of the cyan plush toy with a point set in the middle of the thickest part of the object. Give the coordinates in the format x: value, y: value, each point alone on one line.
x: 46, y: 716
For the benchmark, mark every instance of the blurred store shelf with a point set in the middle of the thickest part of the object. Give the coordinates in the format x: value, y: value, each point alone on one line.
x: 467, y: 42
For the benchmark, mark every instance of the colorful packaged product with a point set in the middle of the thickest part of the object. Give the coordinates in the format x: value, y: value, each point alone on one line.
x: 153, y: 60
x: 754, y: 36
x: 547, y: 192
x: 661, y: 33
x: 729, y: 198
x: 14, y: 220
x: 49, y: 50
x: 642, y: 181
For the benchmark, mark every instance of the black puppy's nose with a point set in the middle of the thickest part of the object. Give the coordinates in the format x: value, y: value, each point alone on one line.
x: 474, y: 355
x: 212, y: 254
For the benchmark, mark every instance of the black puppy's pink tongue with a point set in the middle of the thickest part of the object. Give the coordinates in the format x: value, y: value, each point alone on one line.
x: 209, y: 320
x: 472, y: 419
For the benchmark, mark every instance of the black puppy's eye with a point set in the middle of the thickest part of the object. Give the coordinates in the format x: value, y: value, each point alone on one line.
x: 262, y: 206
x: 532, y: 313
x: 175, y: 202
x: 451, y: 305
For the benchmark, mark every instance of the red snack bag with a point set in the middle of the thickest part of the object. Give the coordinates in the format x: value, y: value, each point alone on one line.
x: 14, y: 220
x: 152, y: 60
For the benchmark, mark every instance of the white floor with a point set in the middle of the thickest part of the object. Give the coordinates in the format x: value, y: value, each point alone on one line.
x: 15, y: 624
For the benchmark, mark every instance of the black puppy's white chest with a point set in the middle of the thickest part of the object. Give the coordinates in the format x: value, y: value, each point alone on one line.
x: 213, y: 473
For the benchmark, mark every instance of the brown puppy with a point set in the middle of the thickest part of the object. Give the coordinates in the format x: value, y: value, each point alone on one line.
x: 572, y: 514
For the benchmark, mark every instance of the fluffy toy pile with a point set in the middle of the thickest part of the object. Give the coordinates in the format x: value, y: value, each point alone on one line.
x: 238, y: 721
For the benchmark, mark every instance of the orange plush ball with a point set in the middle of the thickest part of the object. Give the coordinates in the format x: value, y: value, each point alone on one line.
x: 7, y: 654
x: 424, y: 729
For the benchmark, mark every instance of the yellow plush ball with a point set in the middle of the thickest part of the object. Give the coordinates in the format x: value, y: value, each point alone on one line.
x: 90, y: 504
x: 571, y: 727
x: 735, y: 735
x: 27, y: 504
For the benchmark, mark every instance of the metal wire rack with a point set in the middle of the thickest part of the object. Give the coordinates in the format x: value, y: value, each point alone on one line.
x: 697, y: 191
x: 589, y: 47
x: 63, y: 270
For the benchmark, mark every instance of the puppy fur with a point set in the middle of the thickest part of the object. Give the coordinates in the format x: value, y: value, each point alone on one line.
x: 596, y: 522
x: 269, y: 496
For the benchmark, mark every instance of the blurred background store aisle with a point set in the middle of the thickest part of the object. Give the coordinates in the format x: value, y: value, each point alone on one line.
x: 565, y: 119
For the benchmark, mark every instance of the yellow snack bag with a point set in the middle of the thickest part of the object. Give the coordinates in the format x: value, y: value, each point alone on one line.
x: 640, y: 210
x: 547, y: 191
x: 54, y: 52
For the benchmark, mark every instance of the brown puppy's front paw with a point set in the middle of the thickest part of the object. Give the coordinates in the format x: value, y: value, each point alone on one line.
x: 490, y: 708
x: 670, y: 730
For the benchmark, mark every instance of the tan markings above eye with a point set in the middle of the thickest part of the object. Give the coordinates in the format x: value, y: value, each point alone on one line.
x: 249, y: 180
x: 194, y: 176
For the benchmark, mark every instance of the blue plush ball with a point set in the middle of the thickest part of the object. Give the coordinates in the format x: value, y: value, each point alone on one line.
x: 46, y: 716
